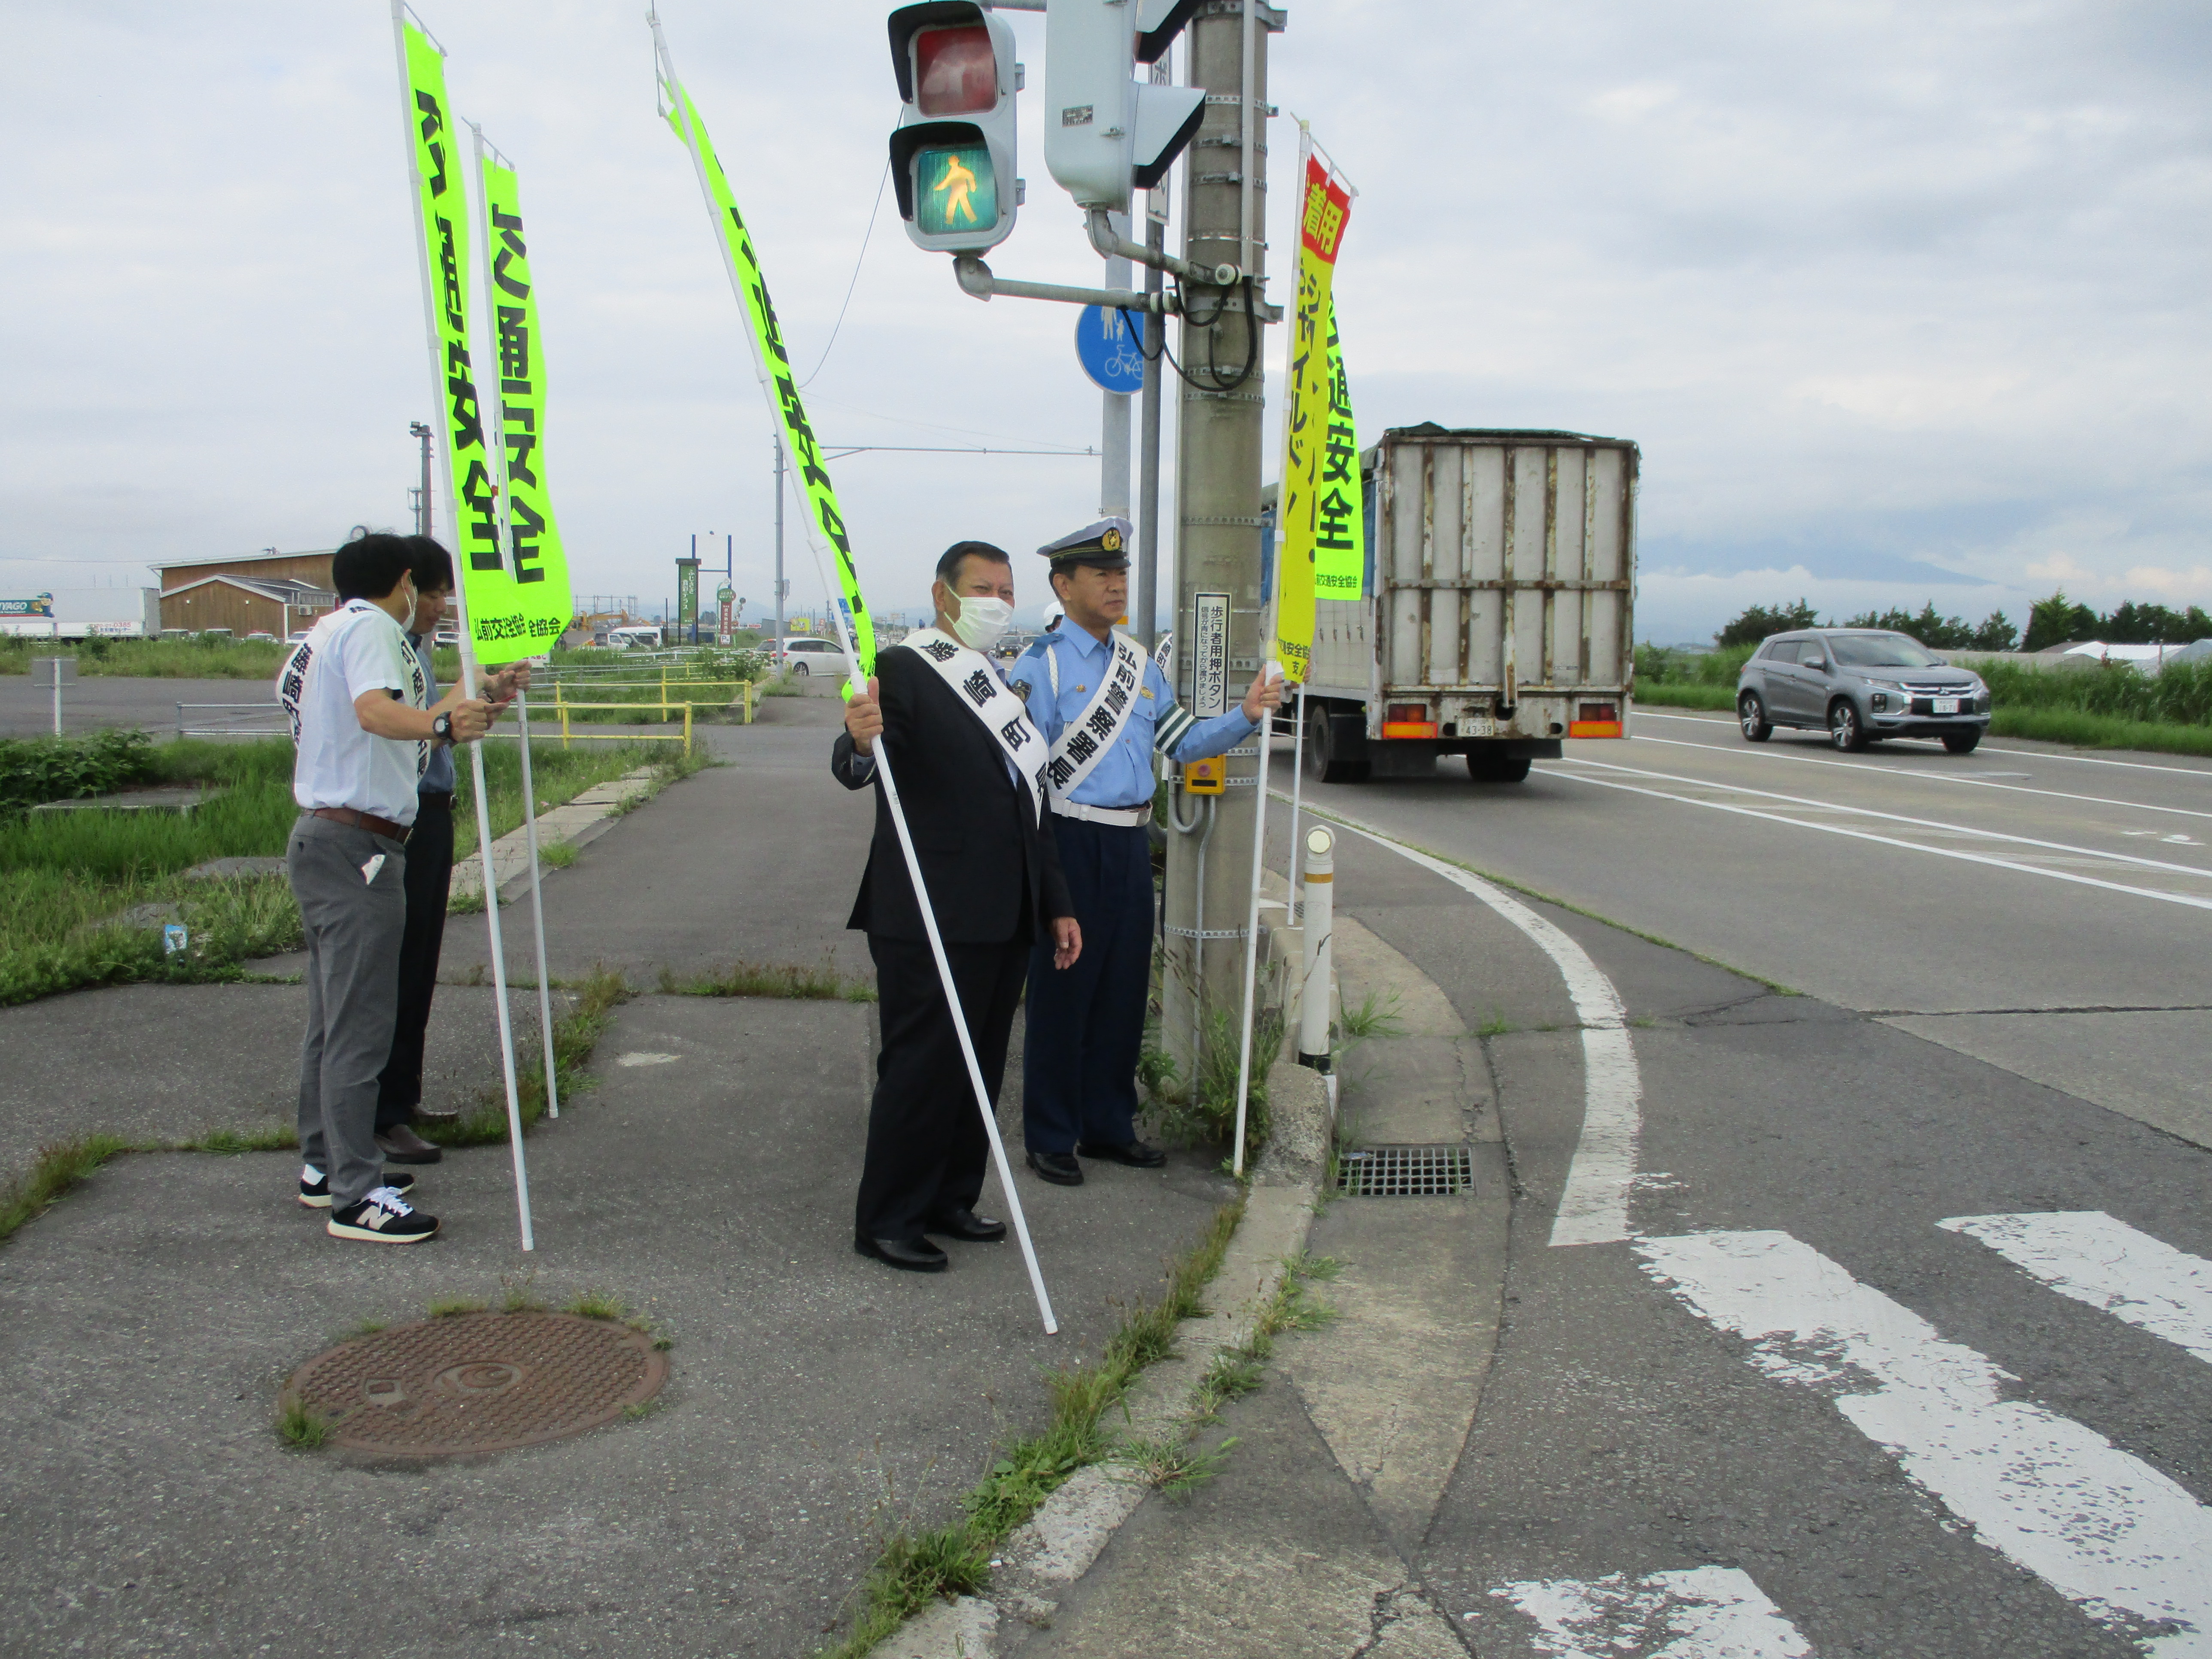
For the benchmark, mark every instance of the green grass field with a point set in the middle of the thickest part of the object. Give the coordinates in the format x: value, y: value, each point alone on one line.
x: 64, y: 877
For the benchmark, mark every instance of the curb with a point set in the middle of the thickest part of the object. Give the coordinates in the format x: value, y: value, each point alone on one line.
x: 577, y: 823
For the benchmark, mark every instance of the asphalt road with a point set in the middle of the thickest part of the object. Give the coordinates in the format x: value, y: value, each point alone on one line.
x: 97, y: 701
x: 1816, y: 1337
x: 2045, y: 909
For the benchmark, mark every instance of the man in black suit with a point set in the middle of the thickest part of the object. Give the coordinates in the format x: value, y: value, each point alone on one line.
x: 969, y: 766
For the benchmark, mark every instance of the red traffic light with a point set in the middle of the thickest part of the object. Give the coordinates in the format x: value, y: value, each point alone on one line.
x: 956, y: 71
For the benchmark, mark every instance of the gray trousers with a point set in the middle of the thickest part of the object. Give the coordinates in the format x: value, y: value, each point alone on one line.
x: 353, y: 926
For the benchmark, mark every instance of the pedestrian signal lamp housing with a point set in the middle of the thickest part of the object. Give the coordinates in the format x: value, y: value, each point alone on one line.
x: 952, y: 154
x: 1106, y: 136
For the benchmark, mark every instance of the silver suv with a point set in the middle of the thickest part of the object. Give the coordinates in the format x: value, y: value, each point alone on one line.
x: 1858, y: 685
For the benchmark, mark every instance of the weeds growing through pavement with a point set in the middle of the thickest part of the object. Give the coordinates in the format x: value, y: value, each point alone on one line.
x: 448, y: 1307
x: 58, y: 1168
x: 1373, y: 1018
x: 514, y: 1295
x: 300, y: 1426
x: 918, y: 1567
x: 598, y: 1304
x: 770, y: 979
x: 575, y: 1035
x: 1496, y: 1025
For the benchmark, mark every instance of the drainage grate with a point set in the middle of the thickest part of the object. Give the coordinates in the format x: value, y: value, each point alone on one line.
x: 1405, y: 1172
x: 479, y: 1382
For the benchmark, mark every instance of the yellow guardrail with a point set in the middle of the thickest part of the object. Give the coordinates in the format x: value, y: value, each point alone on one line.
x: 563, y: 708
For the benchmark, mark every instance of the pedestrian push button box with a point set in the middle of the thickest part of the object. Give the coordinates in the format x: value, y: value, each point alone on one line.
x: 1206, y: 777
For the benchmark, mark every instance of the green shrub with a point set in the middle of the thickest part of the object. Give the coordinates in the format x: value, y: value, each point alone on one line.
x: 36, y: 770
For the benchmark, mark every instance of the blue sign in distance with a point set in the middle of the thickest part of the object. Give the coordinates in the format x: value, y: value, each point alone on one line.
x: 1106, y: 345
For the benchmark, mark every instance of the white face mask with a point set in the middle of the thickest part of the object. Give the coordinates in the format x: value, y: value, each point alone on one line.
x: 981, y: 621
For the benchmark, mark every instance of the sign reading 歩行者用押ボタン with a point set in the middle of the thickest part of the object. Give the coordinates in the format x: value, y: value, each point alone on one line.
x: 1324, y: 208
x: 518, y: 607
x: 443, y: 214
x: 826, y: 524
x: 1339, y: 517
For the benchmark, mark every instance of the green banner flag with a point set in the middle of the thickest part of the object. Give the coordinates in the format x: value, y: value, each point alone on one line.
x: 1340, y: 535
x: 442, y: 215
x: 520, y: 608
x: 826, y: 524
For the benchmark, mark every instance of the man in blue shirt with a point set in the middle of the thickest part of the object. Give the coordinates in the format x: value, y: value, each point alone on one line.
x: 1105, y: 709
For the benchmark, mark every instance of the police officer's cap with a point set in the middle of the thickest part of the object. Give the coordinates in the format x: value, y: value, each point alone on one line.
x: 1105, y: 544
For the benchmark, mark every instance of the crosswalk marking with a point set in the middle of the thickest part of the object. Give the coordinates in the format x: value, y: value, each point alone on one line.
x: 1700, y: 1613
x: 2096, y: 1259
x: 2099, y: 1526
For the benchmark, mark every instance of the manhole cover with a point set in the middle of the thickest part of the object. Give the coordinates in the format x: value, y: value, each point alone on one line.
x: 478, y: 1382
x: 1405, y: 1172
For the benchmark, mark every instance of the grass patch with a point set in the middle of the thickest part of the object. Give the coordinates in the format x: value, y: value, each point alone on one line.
x: 67, y: 879
x: 770, y: 979
x: 575, y: 1036
x: 1691, y: 696
x: 58, y: 1168
x: 450, y: 1307
x: 1211, y: 1118
x: 1371, y: 1019
x: 599, y: 1304
x: 2083, y: 730
x: 919, y: 1567
x: 1172, y: 1465
x: 557, y: 854
x: 300, y: 1426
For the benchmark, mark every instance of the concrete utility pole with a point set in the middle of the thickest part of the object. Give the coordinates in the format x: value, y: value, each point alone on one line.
x: 1146, y: 619
x: 1218, y: 471
x: 422, y: 434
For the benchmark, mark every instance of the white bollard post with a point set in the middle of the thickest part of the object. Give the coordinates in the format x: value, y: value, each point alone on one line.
x: 1321, y: 888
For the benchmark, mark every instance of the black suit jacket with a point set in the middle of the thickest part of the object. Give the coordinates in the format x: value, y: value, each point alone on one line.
x: 982, y: 850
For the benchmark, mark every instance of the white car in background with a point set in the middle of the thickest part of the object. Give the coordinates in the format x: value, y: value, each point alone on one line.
x: 811, y: 654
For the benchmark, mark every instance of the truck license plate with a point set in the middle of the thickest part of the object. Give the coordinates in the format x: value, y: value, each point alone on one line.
x: 1478, y: 725
x: 1947, y: 705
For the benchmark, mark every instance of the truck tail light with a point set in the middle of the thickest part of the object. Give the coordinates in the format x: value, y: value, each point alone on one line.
x: 1407, y: 720
x: 1596, y: 719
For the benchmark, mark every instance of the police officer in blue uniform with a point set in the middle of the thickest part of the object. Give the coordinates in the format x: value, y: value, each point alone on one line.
x: 1105, y: 708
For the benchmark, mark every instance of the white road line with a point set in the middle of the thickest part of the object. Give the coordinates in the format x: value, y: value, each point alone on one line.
x: 1899, y: 817
x: 2097, y: 1259
x: 1700, y: 1612
x: 2099, y: 1526
x: 1986, y: 749
x: 1892, y: 841
x: 1868, y: 769
x: 1594, y: 1203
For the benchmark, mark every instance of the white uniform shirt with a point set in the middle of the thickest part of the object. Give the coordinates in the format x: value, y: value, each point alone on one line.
x: 356, y: 648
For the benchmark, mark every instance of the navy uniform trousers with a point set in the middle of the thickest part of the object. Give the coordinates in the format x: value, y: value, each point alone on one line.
x: 1086, y: 1026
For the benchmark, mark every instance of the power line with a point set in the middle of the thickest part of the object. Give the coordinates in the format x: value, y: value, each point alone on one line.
x: 855, y: 282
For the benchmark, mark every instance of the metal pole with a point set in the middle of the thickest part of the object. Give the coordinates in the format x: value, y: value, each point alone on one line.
x: 1319, y: 870
x: 819, y: 547
x: 436, y: 360
x: 57, y: 662
x: 1297, y: 778
x: 537, y: 905
x: 1219, y: 457
x: 1148, y: 459
x: 1114, y: 414
x: 1252, y: 934
x: 780, y: 584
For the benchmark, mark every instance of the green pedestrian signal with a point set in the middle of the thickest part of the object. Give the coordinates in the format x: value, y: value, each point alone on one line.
x: 959, y: 189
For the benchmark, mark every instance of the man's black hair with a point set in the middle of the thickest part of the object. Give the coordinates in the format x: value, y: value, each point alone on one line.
x: 370, y: 565
x: 948, y: 567
x: 432, y: 565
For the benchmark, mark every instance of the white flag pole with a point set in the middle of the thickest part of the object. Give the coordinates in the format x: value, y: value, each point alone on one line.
x: 816, y: 545
x: 468, y: 648
x: 498, y: 428
x: 1252, y: 916
x: 1297, y: 776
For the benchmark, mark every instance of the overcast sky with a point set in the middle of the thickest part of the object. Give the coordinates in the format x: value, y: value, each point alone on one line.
x: 1902, y: 302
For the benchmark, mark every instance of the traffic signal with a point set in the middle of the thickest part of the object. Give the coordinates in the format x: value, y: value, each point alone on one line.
x: 952, y: 156
x: 1106, y: 135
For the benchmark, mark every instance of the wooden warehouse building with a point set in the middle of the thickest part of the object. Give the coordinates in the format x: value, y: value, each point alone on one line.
x: 270, y: 592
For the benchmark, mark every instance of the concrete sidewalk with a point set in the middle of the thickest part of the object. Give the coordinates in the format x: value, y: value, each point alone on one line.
x: 817, y: 1401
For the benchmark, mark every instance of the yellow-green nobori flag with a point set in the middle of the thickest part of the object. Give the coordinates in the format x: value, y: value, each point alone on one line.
x: 1339, y: 536
x: 826, y: 524
x: 529, y: 614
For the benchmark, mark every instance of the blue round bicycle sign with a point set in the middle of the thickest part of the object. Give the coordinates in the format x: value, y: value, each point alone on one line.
x: 1106, y: 343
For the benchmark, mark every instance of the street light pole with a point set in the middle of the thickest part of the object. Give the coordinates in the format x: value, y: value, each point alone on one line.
x: 421, y: 433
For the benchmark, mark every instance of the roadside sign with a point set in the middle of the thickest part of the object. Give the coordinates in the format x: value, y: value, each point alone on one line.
x: 1106, y: 346
x: 798, y: 624
x: 724, y: 594
x: 39, y: 604
x: 1209, y: 656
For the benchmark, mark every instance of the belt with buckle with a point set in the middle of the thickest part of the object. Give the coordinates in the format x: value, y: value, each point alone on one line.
x: 1125, y: 817
x: 360, y: 821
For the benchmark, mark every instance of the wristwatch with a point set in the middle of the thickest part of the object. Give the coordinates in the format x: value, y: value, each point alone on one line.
x: 442, y: 727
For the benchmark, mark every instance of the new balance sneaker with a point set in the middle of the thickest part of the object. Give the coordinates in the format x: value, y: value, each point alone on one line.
x: 383, y: 1217
x: 315, y: 1186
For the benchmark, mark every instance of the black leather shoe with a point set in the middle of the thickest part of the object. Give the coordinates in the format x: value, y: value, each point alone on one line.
x: 1059, y: 1168
x: 1138, y: 1154
x: 967, y: 1226
x: 914, y: 1256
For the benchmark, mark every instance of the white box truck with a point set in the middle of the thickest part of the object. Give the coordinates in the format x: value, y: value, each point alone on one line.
x: 1495, y: 610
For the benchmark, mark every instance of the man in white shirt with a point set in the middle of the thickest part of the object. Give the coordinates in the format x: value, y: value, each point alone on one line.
x: 357, y: 697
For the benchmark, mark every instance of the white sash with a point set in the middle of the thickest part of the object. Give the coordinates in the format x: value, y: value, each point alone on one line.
x: 1085, y: 739
x: 292, y: 675
x: 986, y: 696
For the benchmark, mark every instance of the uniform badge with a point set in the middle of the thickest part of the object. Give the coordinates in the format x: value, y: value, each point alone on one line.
x: 1111, y: 541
